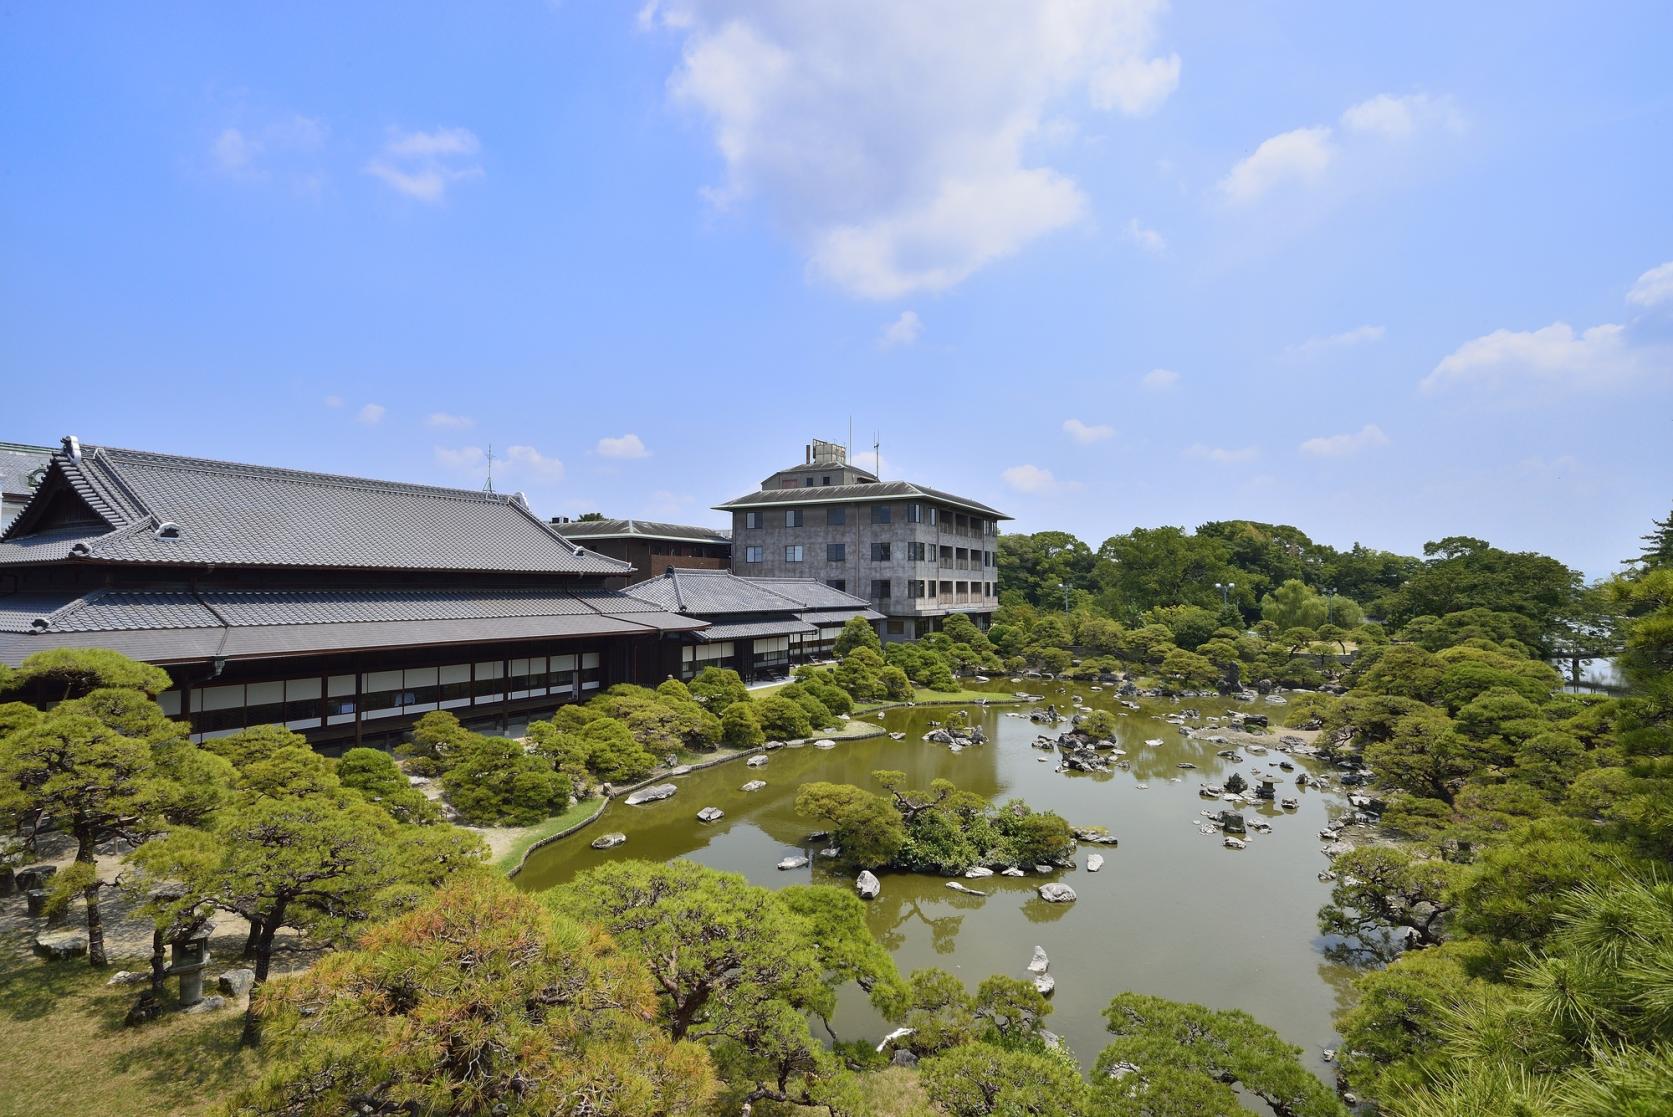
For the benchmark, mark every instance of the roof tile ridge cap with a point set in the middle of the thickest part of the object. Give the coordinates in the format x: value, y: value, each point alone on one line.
x: 71, y: 607
x: 99, y: 474
x: 307, y: 476
x: 139, y: 526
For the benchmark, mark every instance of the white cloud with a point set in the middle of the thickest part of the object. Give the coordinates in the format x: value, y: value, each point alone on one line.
x: 892, y: 141
x: 1554, y: 356
x: 1029, y: 479
x: 1367, y: 437
x: 526, y: 461
x: 424, y: 165
x: 1148, y: 239
x: 333, y: 401
x: 1086, y: 434
x: 1306, y: 157
x: 449, y: 422
x: 1399, y: 118
x: 902, y: 331
x: 370, y: 414
x: 627, y: 446
x: 285, y: 147
x: 1223, y: 455
x: 1302, y: 155
x: 470, y: 459
x: 1347, y: 339
x: 1654, y: 287
x: 1159, y: 379
x: 667, y: 504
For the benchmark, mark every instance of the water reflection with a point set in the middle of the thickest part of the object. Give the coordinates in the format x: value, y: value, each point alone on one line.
x: 1171, y: 913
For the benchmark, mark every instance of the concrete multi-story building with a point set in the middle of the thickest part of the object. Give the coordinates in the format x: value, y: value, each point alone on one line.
x: 916, y: 553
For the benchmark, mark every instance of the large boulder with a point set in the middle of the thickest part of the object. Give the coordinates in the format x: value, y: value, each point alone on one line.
x: 1055, y: 893
x: 904, y: 1058
x: 867, y: 885
x: 759, y: 760
x: 236, y: 983
x: 1094, y: 862
x: 710, y: 814
x: 794, y: 862
x: 1045, y: 984
x: 609, y: 841
x: 56, y: 946
x: 1039, y: 963
x: 977, y: 871
x: 651, y: 794
x: 753, y: 785
x: 208, y: 1004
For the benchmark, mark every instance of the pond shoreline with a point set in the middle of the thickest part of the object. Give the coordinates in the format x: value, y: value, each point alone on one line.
x: 728, y: 757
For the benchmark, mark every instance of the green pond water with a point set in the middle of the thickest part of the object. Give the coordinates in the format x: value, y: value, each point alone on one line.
x: 1172, y: 912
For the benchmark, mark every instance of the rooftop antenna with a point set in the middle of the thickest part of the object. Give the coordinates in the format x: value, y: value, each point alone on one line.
x: 488, y: 485
x: 877, y: 454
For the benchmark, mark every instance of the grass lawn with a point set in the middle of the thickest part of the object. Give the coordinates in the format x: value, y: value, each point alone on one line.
x: 580, y: 812
x: 67, y: 1051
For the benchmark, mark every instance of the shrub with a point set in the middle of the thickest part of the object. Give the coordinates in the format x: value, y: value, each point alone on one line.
x: 896, y: 687
x: 857, y: 633
x: 612, y: 753
x: 717, y: 688
x: 374, y: 774
x: 436, y: 735
x: 493, y: 781
x: 860, y: 674
x: 782, y: 719
x: 673, y: 688
x: 740, y: 727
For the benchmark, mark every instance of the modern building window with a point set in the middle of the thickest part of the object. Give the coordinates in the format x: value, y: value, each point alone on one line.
x: 752, y: 554
x: 880, y: 589
x: 882, y: 514
x: 808, y: 483
x: 914, y: 513
x: 752, y: 519
x: 915, y: 588
x: 946, y: 556
x: 836, y: 552
x: 879, y: 552
x: 934, y: 515
x: 836, y: 517
x: 915, y: 552
x: 825, y: 480
x: 837, y: 584
x: 793, y: 553
x: 793, y: 517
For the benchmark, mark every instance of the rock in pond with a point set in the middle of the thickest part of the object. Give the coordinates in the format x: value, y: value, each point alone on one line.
x: 1057, y: 893
x: 59, y: 945
x: 796, y: 862
x: 757, y: 761
x: 236, y: 983
x: 1039, y: 963
x: 957, y: 887
x: 1045, y: 984
x: 771, y: 745
x: 609, y: 841
x: 824, y: 743
x: 1013, y: 871
x: 710, y: 814
x: 977, y: 871
x: 651, y: 794
x: 1236, y: 843
x: 867, y: 885
x: 1094, y: 862
x: 753, y: 785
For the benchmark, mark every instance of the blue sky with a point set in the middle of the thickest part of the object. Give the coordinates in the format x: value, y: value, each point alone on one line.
x: 1386, y: 274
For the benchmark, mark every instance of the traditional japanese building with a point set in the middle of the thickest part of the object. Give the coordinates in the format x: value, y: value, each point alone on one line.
x: 652, y: 547
x: 341, y: 607
x: 758, y: 627
x: 21, y: 470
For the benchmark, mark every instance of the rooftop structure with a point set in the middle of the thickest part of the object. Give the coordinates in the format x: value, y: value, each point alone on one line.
x: 651, y: 547
x: 21, y: 469
x: 342, y: 607
x: 759, y: 627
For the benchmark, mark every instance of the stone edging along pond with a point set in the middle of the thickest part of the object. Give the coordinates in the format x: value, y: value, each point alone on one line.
x: 716, y: 761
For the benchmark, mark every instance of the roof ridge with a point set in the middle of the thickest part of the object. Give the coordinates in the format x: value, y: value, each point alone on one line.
x: 118, y: 454
x: 69, y: 608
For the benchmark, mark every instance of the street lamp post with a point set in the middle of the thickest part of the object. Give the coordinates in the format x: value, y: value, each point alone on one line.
x: 1225, y: 589
x: 1064, y: 586
x: 1330, y: 605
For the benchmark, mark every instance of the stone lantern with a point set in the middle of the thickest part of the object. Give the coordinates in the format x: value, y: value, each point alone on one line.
x: 1267, y: 789
x: 190, y: 958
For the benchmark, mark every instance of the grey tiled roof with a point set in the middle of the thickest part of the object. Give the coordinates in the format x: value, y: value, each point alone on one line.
x: 709, y: 592
x: 809, y: 593
x: 827, y: 618
x: 247, y: 515
x: 850, y: 494
x: 166, y: 625
x: 641, y: 529
x: 17, y: 462
x: 748, y: 630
